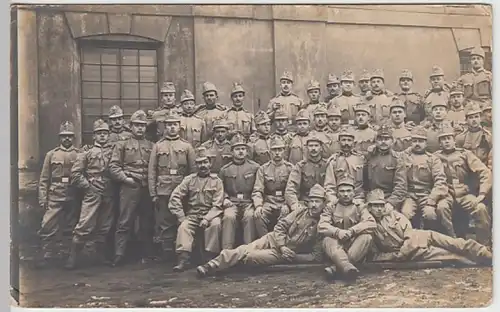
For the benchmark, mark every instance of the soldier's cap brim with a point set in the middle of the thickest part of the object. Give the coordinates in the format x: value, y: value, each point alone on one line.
x: 278, y: 146
x: 373, y: 77
x: 362, y: 110
x: 436, y: 75
x: 171, y: 120
x: 115, y: 116
x: 456, y: 92
x: 438, y: 105
x: 101, y: 129
x: 302, y: 118
x: 487, y: 108
x: 346, y: 135
x: 281, y: 117
x: 376, y: 201
x: 477, y: 111
x: 313, y: 88
x: 346, y: 183
x: 145, y: 122
x: 317, y: 196
x: 329, y: 83
x: 263, y: 121
x: 239, y: 144
x: 288, y: 79
x: 417, y: 136
x: 239, y: 91
x: 440, y: 135
x: 314, y: 140
x: 199, y: 159
x: 221, y: 126
x: 66, y: 133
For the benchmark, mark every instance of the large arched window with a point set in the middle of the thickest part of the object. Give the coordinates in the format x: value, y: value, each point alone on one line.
x: 465, y: 65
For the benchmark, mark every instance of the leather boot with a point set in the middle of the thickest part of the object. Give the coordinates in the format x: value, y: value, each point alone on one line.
x: 118, y: 260
x: 205, y: 270
x: 100, y: 254
x: 75, y: 250
x: 331, y: 273
x: 183, y: 263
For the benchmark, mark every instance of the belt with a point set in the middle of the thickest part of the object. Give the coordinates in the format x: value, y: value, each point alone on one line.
x: 240, y: 196
x: 276, y: 193
x: 60, y: 179
x: 171, y: 172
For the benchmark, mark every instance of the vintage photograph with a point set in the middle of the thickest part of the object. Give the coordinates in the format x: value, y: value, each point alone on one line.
x: 252, y: 156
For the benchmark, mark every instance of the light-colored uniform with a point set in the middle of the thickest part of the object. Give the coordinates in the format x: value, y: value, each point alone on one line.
x: 340, y: 166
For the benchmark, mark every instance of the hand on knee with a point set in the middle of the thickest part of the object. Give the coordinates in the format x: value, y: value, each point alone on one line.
x: 429, y: 213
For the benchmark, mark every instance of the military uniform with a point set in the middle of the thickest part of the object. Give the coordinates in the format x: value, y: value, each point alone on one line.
x: 434, y: 128
x: 478, y: 83
x: 55, y: 191
x: 209, y: 114
x: 164, y: 110
x: 259, y: 144
x: 239, y: 119
x: 312, y: 106
x: 400, y: 133
x: 298, y: 149
x: 269, y: 190
x: 193, y: 128
x: 380, y: 102
x: 432, y: 96
x: 365, y: 95
x: 130, y: 159
x: 347, y: 101
x: 286, y: 135
x: 324, y: 134
x: 413, y: 101
x: 121, y: 134
x: 334, y: 133
x: 364, y: 137
x: 238, y: 179
x: 290, y: 103
x: 332, y: 79
x: 457, y: 114
x: 219, y: 153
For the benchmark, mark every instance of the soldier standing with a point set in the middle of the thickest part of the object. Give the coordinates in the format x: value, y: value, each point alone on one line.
x: 193, y: 128
x: 347, y: 100
x: 400, y: 132
x: 172, y: 159
x: 477, y: 83
x: 269, y: 189
x: 212, y: 109
x: 412, y: 101
x: 459, y: 165
x: 306, y: 173
x: 55, y: 192
x: 314, y: 94
x: 332, y: 87
x: 438, y: 93
x: 346, y: 228
x: 298, y: 147
x: 90, y: 173
x: 364, y: 134
x: 456, y: 114
x: 129, y: 167
x: 286, y: 100
x: 381, y: 100
x: 281, y: 131
x: 435, y: 124
x: 118, y: 130
x: 334, y: 123
x: 167, y: 105
x: 239, y: 178
x: 238, y: 118
x: 219, y: 147
x: 322, y: 131
x: 364, y: 86
x: 203, y: 193
x: 258, y: 146
x: 386, y: 170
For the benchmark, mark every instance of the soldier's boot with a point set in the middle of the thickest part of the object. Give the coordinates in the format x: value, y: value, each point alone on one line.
x: 74, y: 253
x: 100, y: 254
x: 118, y: 260
x: 331, y: 272
x: 341, y: 261
x: 183, y: 263
x: 205, y: 270
x: 45, y: 257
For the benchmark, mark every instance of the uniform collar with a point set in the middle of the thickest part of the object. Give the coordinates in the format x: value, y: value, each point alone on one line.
x: 477, y: 71
x: 237, y: 109
x: 69, y: 149
x: 172, y: 138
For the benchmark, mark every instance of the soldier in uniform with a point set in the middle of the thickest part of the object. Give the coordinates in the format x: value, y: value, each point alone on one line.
x: 322, y: 131
x: 364, y: 134
x: 239, y: 178
x: 332, y: 87
x: 395, y: 240
x: 203, y: 194
x: 487, y: 120
x: 269, y: 189
x: 435, y: 124
x: 456, y: 113
x: 386, y: 170
x: 239, y: 119
x: 438, y: 93
x: 381, y: 100
x: 119, y: 131
x: 400, y: 132
x: 364, y: 86
x: 475, y: 138
x: 55, y: 192
x: 347, y: 100
x: 298, y: 148
x: 90, y: 173
x: 129, y: 167
x: 193, y: 128
x: 460, y: 165
x: 293, y: 240
x: 212, y: 109
x: 412, y: 101
x: 346, y: 228
x: 427, y: 188
x: 219, y: 147
x: 334, y: 123
x: 167, y: 105
x: 346, y: 163
x: 258, y: 146
x: 286, y: 100
x: 477, y: 83
x: 306, y: 173
x: 172, y: 159
x: 314, y: 94
x: 281, y: 131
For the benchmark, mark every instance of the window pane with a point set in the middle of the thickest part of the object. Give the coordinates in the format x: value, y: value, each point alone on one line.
x: 147, y: 57
x: 148, y: 104
x: 91, y: 56
x: 88, y: 122
x: 87, y: 138
x: 109, y: 56
x: 91, y: 73
x: 91, y: 106
x: 110, y: 90
x: 130, y: 106
x: 110, y: 73
x: 148, y: 74
x: 149, y: 91
x: 130, y: 90
x: 129, y: 73
x: 106, y: 105
x: 129, y: 57
x: 91, y: 90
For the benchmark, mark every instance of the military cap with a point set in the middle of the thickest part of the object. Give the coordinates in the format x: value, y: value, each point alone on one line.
x: 208, y: 86
x: 238, y: 139
x: 456, y: 88
x: 187, y: 96
x: 280, y: 114
x: 472, y: 108
x: 446, y: 130
x: 347, y: 75
x: 377, y: 73
x: 439, y: 102
x: 313, y: 137
x: 100, y: 124
x: 172, y: 117
x: 375, y: 197
x: 115, y: 111
x: 436, y: 71
x: 397, y: 103
x: 384, y: 130
x: 67, y: 128
x: 477, y: 51
x: 277, y: 142
x: 201, y: 154
x: 346, y: 131
x: 346, y: 180
x: 139, y: 117
x: 332, y: 79
x: 261, y: 117
x: 361, y: 107
x: 365, y: 75
x: 313, y: 85
x: 487, y: 105
x: 334, y: 111
x: 237, y: 87
x: 406, y: 73
x: 317, y: 191
x: 302, y: 115
x: 320, y: 110
x: 286, y: 76
x: 220, y: 123
x: 419, y: 132
x: 168, y: 87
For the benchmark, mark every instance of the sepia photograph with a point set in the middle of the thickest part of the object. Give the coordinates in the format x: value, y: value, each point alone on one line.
x: 251, y: 155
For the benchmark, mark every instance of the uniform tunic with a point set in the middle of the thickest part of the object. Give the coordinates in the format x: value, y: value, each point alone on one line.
x: 298, y: 148
x: 259, y: 148
x: 342, y: 165
x: 346, y: 103
x: 209, y: 114
x: 477, y: 84
x: 414, y: 106
x: 290, y: 103
x: 363, y: 139
x: 380, y: 105
x: 193, y: 130
x: 401, y: 136
x: 219, y: 153
x: 479, y: 141
x: 240, y: 120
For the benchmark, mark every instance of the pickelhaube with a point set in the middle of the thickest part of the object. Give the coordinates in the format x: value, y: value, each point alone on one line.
x: 238, y: 139
x: 303, y: 114
x: 436, y: 71
x: 332, y: 79
x: 168, y: 87
x: 320, y: 110
x: 346, y: 180
x: 478, y: 51
x: 115, y: 111
x: 376, y: 196
x: 287, y: 76
x: 472, y: 108
x: 384, y: 130
x: 361, y: 107
x: 446, y: 130
x: 277, y: 142
x: 220, y: 123
x: 439, y: 102
x: 139, y: 117
x: 346, y: 131
x: 100, y: 124
x: 187, y: 96
x: 365, y: 75
x: 313, y: 85
x: 237, y: 87
x: 67, y: 128
x: 397, y: 103
x: 456, y: 88
x: 347, y: 75
x: 312, y: 137
x: 201, y: 154
x: 208, y: 86
x: 261, y: 117
x: 172, y: 116
x: 406, y: 73
x: 317, y: 191
x: 419, y: 132
x: 280, y: 114
x: 334, y: 111
x: 377, y: 73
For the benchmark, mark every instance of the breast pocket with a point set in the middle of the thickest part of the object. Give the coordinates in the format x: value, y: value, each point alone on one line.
x: 387, y: 173
x: 180, y: 157
x: 249, y: 178
x: 163, y: 158
x: 146, y: 153
x: 57, y: 168
x: 245, y: 126
x: 424, y: 172
x: 208, y: 195
x: 358, y: 172
x: 131, y: 154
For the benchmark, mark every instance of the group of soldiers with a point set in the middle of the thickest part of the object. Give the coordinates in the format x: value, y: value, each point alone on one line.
x: 376, y: 175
